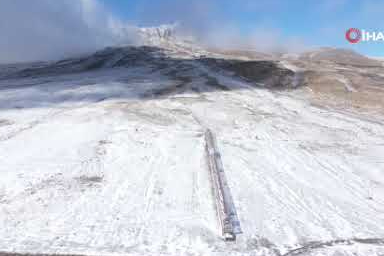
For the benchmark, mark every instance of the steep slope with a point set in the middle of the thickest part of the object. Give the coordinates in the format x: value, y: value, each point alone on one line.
x: 104, y: 154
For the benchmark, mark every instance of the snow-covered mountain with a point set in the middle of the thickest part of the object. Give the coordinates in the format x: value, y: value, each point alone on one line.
x: 169, y: 37
x: 105, y: 154
x: 156, y: 35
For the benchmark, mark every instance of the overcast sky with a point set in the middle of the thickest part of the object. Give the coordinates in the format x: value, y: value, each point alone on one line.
x: 53, y: 29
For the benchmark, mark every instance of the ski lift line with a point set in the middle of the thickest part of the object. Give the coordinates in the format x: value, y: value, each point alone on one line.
x: 225, y: 206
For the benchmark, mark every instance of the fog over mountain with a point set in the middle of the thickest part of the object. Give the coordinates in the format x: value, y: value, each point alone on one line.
x: 51, y: 30
x: 44, y: 29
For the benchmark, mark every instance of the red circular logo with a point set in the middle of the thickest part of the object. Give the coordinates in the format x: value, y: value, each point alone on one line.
x: 353, y: 35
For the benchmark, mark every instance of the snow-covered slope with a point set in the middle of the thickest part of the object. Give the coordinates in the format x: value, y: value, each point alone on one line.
x: 170, y: 38
x: 111, y: 160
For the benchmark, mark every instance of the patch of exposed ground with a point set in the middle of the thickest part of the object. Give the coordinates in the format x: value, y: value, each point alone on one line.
x: 266, y: 74
x: 353, y: 92
x: 89, y: 180
x: 5, y: 122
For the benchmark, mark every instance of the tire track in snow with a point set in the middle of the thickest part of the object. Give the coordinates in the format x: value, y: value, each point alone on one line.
x: 149, y: 196
x: 13, y: 134
x: 195, y: 204
x: 31, y: 125
x: 304, y: 250
x: 43, y: 119
x: 316, y: 245
x: 90, y: 169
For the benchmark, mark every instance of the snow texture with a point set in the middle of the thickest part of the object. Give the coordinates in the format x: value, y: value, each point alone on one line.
x: 91, y: 165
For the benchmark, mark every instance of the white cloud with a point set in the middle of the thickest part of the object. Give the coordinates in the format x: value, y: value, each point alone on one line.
x: 263, y: 39
x: 32, y: 30
x: 48, y: 29
x: 212, y: 25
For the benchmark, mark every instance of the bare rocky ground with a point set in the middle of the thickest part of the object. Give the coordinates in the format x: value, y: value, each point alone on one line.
x: 345, y: 81
x: 337, y: 78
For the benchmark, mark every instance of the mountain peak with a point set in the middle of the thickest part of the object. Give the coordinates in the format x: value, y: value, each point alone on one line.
x: 158, y: 34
